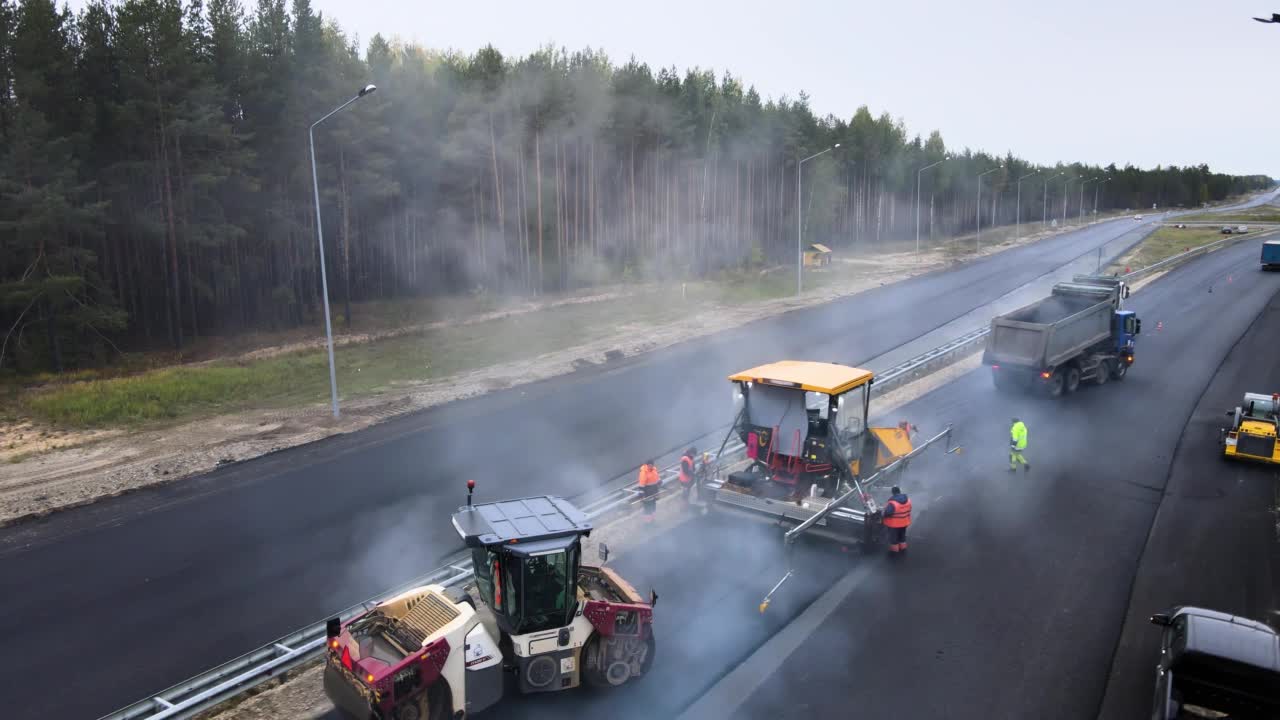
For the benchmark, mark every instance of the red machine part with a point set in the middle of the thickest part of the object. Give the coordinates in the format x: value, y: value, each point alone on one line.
x: 785, y: 469
x: 430, y: 663
x: 603, y: 616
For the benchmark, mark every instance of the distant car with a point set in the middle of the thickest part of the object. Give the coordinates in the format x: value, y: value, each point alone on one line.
x: 1227, y: 230
x: 1215, y: 665
x: 1137, y: 217
x: 1242, y: 229
x: 1180, y: 226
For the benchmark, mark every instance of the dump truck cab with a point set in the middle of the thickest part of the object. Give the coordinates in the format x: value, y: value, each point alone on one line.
x: 804, y: 426
x: 1255, y: 429
x: 542, y: 616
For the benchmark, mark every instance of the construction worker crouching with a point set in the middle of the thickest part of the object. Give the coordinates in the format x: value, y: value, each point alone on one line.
x: 1017, y: 444
x: 650, y: 482
x: 897, y: 518
x: 687, y: 472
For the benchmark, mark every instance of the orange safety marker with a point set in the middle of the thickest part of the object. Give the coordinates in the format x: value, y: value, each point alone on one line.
x: 1159, y: 326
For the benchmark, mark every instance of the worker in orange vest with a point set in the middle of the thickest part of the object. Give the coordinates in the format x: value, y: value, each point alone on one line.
x: 897, y: 518
x: 649, y: 485
x: 686, y: 475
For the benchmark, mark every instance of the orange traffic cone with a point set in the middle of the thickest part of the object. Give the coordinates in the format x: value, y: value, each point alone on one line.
x: 1159, y: 326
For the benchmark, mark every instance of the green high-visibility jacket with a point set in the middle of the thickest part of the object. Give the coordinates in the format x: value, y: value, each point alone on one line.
x: 1018, y: 434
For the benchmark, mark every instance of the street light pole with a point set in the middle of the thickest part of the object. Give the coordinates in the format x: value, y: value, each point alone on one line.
x: 1018, y: 221
x: 1095, y: 195
x: 1082, y: 187
x: 1083, y: 183
x: 918, y: 174
x: 978, y: 238
x: 1044, y: 221
x: 324, y: 278
x: 800, y: 221
x: 1065, y: 195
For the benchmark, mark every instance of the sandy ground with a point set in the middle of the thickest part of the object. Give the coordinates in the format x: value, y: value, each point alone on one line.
x: 298, y: 694
x: 43, y: 470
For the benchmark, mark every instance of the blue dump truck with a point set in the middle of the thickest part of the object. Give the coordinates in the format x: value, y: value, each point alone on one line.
x: 1271, y: 255
x: 1077, y: 334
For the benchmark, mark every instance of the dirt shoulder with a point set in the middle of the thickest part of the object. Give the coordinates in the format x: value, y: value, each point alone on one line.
x: 44, y: 469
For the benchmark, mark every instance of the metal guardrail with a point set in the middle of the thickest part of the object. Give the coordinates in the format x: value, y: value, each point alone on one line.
x: 276, y: 658
x: 927, y: 362
x: 1202, y: 250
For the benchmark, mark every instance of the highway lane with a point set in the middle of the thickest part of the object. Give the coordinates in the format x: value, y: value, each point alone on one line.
x: 240, y: 556
x: 1214, y: 539
x: 1012, y: 600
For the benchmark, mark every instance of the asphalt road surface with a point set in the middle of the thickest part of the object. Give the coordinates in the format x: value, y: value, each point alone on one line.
x: 1017, y: 587
x: 161, y: 584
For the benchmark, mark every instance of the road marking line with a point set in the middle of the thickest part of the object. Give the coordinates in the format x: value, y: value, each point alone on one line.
x: 722, y: 700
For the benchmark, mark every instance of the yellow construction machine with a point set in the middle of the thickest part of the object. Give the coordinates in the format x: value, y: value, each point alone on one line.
x: 809, y: 452
x: 1254, y: 429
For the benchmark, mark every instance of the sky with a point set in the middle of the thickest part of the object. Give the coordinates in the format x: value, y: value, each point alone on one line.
x: 1126, y: 81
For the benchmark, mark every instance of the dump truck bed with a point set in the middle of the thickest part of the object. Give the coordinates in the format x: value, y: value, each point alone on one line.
x: 1051, y: 331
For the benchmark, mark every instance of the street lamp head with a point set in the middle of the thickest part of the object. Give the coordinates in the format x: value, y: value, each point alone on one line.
x: 833, y: 147
x: 367, y: 89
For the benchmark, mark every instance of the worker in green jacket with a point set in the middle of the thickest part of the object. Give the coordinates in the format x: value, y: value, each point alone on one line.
x: 1017, y: 444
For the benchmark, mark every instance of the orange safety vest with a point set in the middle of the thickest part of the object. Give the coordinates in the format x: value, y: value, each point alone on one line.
x: 897, y: 515
x: 686, y: 470
x: 649, y: 476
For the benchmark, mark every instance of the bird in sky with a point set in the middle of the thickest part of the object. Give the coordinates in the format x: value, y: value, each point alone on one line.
x: 1275, y: 18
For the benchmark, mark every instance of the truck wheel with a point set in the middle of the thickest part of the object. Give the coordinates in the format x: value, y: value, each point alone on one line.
x: 1103, y: 373
x: 1072, y: 379
x: 434, y: 704
x: 612, y: 662
x: 1056, y: 384
x: 1119, y: 370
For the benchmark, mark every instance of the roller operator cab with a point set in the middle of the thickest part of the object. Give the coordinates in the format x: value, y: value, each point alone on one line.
x: 1255, y: 429
x: 542, y: 617
x: 806, y: 437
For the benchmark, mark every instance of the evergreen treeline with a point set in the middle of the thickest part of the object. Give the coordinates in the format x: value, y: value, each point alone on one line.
x: 155, y: 181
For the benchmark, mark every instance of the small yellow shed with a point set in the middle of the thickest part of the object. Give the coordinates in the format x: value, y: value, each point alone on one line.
x: 818, y: 255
